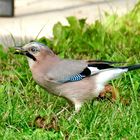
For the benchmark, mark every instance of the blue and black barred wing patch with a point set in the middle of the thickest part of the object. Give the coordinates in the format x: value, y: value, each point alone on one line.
x: 85, y: 73
x: 77, y: 77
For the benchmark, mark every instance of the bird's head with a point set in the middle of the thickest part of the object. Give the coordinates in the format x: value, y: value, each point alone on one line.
x: 34, y: 51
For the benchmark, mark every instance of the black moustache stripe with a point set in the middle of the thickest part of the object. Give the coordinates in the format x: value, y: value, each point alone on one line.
x: 31, y: 56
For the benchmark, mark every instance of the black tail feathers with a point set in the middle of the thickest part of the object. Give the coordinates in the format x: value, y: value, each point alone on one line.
x: 132, y: 67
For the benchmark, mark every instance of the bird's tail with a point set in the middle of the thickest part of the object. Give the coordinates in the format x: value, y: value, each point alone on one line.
x: 132, y: 67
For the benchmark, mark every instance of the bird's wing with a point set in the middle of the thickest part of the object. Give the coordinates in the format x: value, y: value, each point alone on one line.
x: 75, y: 70
x: 64, y: 69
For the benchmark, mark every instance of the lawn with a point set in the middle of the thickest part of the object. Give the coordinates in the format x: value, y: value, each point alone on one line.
x: 27, y: 112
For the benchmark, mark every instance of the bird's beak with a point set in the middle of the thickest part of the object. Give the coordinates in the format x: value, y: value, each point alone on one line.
x: 20, y: 50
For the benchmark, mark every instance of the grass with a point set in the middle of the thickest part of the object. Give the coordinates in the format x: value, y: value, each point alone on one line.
x: 28, y: 112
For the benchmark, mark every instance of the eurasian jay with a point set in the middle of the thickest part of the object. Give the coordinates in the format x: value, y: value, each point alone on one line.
x: 75, y: 80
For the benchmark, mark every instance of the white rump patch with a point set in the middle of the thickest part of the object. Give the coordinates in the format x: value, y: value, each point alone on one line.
x: 105, y: 75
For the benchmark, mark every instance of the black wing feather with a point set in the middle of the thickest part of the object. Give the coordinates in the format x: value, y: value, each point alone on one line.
x: 103, y: 62
x: 99, y: 64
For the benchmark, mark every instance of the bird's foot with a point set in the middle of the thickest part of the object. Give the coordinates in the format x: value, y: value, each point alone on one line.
x: 62, y: 110
x: 77, y: 105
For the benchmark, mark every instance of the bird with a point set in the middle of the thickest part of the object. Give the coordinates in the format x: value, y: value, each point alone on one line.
x: 75, y: 80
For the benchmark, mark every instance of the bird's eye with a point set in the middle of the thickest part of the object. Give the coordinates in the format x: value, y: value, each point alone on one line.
x: 33, y: 49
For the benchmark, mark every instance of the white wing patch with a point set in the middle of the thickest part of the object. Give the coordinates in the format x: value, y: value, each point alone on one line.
x: 93, y: 70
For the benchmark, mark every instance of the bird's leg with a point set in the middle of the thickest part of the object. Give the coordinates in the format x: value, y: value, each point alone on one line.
x: 77, y: 106
x: 70, y: 103
x: 109, y: 89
